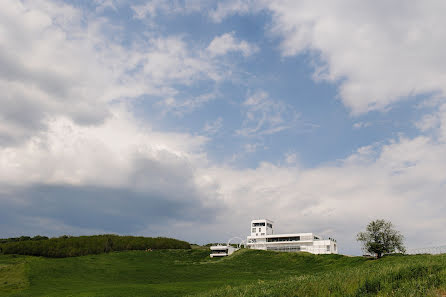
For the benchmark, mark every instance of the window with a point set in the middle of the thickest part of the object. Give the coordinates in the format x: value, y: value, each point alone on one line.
x: 269, y: 225
x: 260, y: 229
x: 281, y: 239
x: 258, y: 224
x: 328, y: 248
x: 253, y: 230
x: 284, y: 248
x: 262, y: 234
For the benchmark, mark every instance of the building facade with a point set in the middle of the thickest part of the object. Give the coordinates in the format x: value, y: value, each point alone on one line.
x: 263, y: 238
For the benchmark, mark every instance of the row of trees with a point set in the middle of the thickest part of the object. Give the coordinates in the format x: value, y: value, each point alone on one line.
x: 22, y: 238
x: 67, y: 246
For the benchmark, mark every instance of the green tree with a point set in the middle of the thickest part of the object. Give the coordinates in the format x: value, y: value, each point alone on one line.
x: 381, y: 238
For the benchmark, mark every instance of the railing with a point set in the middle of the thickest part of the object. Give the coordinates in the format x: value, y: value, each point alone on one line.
x: 428, y: 250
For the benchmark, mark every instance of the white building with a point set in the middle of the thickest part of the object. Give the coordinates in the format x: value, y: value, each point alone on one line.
x: 222, y: 250
x: 263, y: 238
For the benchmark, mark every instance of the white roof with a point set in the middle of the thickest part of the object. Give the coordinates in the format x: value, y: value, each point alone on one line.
x: 219, y: 247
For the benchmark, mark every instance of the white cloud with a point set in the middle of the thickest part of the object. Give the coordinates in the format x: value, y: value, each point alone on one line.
x: 169, y: 60
x: 91, y: 155
x: 221, y: 45
x: 153, y: 8
x: 63, y: 72
x: 55, y: 60
x: 119, y: 176
x: 434, y: 123
x: 231, y: 7
x: 379, y: 52
x: 265, y: 116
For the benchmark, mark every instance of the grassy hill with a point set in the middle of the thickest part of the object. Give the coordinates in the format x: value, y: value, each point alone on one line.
x: 245, y: 273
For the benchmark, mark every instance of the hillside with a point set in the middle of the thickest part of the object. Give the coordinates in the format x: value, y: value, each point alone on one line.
x: 246, y: 273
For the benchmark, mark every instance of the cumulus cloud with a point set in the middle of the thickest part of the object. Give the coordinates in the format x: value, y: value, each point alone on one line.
x: 119, y: 176
x: 226, y: 43
x: 379, y: 52
x: 54, y: 60
x: 66, y: 142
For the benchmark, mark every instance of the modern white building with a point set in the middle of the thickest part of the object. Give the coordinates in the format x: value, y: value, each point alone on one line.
x: 263, y: 238
x: 222, y: 250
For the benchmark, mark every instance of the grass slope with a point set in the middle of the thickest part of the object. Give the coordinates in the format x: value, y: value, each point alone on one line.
x: 246, y: 273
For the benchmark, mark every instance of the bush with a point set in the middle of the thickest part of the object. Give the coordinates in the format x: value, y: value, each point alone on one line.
x: 67, y: 246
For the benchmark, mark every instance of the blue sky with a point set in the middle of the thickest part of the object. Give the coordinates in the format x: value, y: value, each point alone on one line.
x: 189, y: 118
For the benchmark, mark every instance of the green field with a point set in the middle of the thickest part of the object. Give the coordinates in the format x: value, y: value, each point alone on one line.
x: 246, y: 273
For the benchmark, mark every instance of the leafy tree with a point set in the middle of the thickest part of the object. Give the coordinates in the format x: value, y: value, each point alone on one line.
x: 381, y: 238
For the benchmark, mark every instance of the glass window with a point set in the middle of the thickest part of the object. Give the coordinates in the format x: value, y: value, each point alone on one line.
x: 281, y: 239
x: 328, y: 248
x: 253, y: 230
x: 260, y: 229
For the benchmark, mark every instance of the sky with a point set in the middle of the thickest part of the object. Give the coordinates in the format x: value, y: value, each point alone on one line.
x: 189, y: 118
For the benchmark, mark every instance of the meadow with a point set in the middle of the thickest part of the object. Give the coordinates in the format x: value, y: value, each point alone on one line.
x: 190, y: 272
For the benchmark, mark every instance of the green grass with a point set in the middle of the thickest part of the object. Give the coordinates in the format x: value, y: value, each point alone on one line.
x: 246, y: 273
x: 13, y: 276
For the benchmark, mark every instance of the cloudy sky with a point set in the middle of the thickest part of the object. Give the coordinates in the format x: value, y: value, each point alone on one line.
x: 189, y: 118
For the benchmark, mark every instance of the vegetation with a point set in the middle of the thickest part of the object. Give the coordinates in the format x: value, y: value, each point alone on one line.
x: 246, y: 273
x: 22, y: 238
x: 401, y: 276
x: 381, y: 238
x: 67, y: 246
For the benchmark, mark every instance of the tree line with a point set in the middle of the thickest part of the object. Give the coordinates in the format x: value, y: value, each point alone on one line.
x: 70, y: 246
x: 22, y: 238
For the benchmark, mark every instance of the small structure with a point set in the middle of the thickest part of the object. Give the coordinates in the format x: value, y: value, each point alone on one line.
x: 263, y: 238
x: 222, y: 250
x: 226, y: 250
